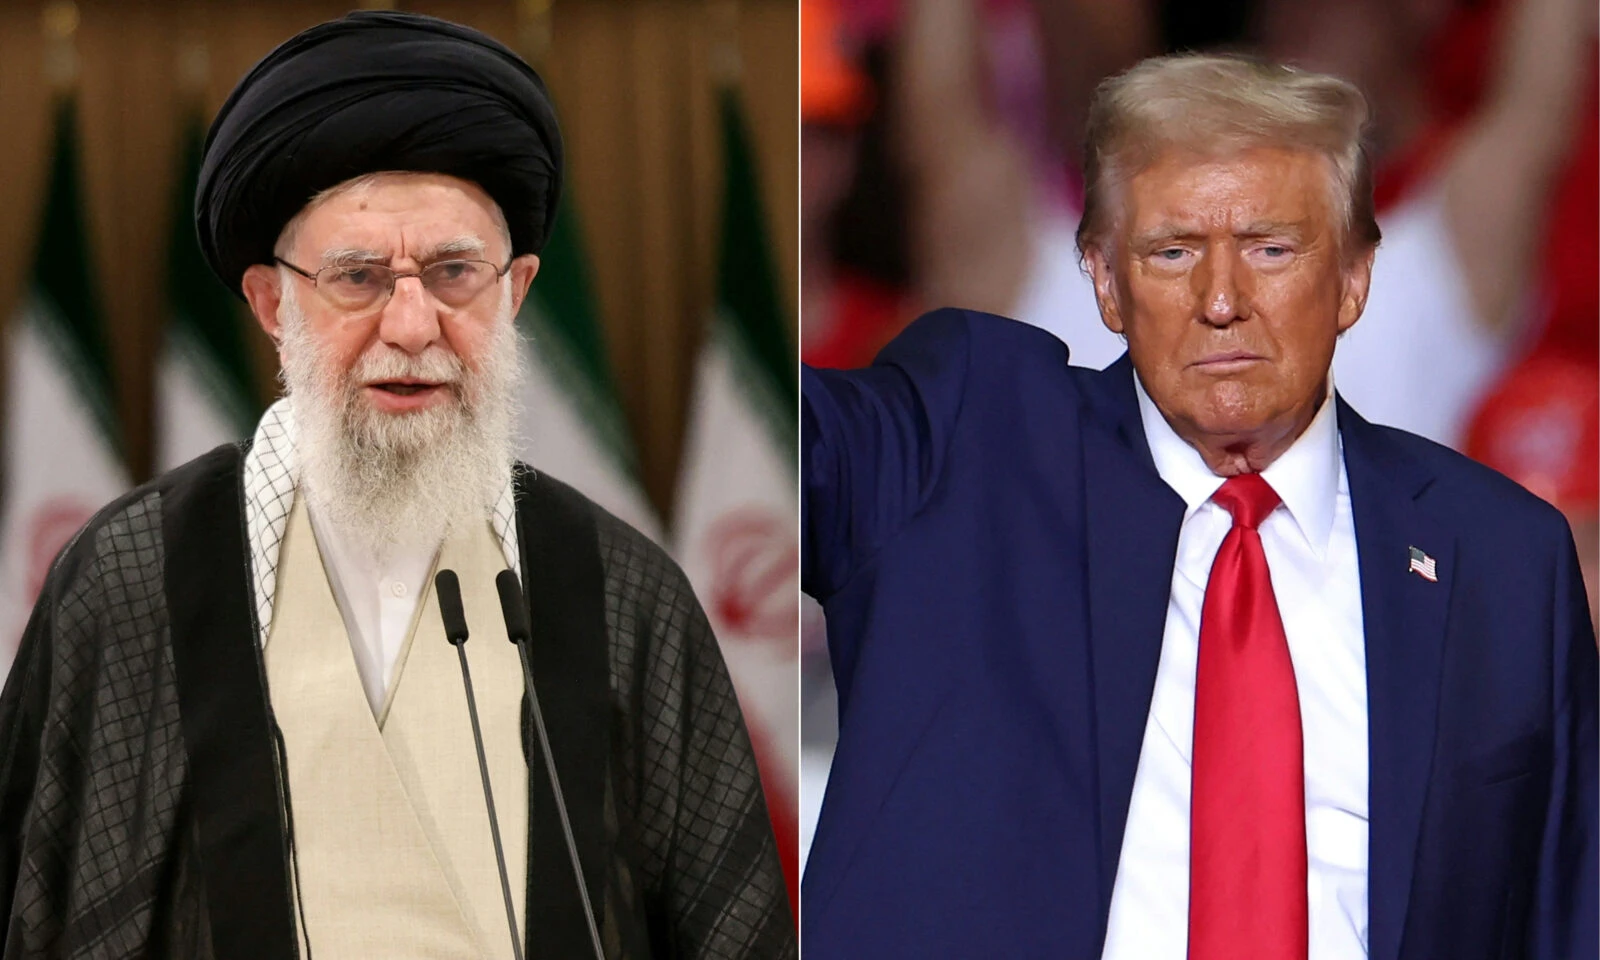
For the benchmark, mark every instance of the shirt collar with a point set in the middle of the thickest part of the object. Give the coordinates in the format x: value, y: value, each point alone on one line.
x: 1305, y: 476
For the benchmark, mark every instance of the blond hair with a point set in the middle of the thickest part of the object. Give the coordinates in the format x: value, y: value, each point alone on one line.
x: 1214, y: 104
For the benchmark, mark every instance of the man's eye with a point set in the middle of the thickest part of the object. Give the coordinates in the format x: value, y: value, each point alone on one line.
x: 1275, y: 251
x: 1171, y: 253
x: 355, y: 277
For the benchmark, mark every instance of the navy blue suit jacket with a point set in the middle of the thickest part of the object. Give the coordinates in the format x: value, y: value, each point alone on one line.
x: 988, y: 535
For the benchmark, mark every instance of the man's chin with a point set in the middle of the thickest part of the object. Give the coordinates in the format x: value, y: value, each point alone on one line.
x: 402, y: 433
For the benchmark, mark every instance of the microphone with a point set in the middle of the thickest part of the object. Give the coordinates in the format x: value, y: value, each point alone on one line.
x: 448, y: 589
x: 518, y: 632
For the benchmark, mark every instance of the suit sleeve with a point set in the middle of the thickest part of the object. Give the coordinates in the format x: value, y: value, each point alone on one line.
x: 1567, y: 891
x: 872, y: 446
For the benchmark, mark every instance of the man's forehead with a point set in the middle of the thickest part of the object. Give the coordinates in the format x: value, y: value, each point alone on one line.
x: 402, y: 215
x: 391, y: 199
x: 1261, y: 186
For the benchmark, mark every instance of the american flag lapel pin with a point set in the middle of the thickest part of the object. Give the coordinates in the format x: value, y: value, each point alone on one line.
x: 1424, y: 566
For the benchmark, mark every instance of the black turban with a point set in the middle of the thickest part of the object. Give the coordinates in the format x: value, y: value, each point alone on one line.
x: 375, y: 91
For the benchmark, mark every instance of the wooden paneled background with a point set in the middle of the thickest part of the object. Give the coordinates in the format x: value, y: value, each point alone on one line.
x: 634, y: 89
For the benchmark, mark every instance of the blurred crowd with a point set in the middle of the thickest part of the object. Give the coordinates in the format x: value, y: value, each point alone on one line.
x: 940, y: 147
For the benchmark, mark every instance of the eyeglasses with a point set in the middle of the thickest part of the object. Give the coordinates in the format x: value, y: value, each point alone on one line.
x: 364, y: 286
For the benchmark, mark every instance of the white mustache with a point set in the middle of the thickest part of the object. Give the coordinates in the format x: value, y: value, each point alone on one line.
x: 436, y: 365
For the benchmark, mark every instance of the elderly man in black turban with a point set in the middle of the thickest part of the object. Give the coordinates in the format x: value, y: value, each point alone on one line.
x: 235, y: 728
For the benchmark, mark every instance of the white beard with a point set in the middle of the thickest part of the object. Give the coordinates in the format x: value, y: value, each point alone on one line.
x: 401, y: 482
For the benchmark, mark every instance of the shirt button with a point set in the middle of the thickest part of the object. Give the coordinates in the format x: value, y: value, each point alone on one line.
x: 397, y: 588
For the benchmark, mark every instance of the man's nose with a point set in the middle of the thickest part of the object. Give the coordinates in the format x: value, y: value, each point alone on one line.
x: 1223, y: 283
x: 410, y: 319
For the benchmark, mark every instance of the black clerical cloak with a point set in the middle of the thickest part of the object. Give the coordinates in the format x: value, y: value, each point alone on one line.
x: 141, y: 789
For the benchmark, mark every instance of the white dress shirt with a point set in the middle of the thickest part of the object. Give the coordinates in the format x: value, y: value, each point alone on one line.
x: 1309, y: 540
x: 378, y: 601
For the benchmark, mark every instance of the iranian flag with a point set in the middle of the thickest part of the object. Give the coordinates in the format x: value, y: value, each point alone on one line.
x: 62, y: 447
x: 206, y: 390
x: 571, y: 423
x: 737, y: 511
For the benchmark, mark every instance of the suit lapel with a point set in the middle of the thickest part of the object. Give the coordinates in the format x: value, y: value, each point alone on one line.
x: 1403, y: 617
x: 1133, y: 523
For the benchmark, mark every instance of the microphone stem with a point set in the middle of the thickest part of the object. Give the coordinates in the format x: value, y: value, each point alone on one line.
x: 488, y: 797
x: 561, y: 804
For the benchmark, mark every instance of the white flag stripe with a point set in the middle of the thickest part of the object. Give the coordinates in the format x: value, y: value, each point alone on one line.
x: 735, y: 529
x: 553, y: 435
x: 190, y: 420
x: 59, y: 469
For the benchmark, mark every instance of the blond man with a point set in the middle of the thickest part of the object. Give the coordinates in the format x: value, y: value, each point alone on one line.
x: 1185, y: 658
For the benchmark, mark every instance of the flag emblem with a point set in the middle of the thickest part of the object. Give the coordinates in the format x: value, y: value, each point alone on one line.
x: 1424, y: 566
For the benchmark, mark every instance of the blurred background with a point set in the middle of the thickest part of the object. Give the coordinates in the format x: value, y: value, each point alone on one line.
x: 940, y: 145
x: 659, y: 334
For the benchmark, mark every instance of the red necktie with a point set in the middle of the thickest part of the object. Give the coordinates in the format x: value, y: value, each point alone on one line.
x: 1247, y: 815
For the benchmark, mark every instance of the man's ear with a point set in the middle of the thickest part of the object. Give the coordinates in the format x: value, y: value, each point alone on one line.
x: 1357, y: 284
x: 1105, y: 287
x: 523, y: 270
x: 261, y: 291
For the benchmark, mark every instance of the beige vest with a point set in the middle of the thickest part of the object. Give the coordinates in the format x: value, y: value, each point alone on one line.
x: 391, y: 832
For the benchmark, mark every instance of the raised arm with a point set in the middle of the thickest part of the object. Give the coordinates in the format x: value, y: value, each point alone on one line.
x: 872, y: 446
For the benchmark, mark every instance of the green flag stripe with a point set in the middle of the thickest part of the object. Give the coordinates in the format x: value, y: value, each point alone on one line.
x: 563, y: 288
x: 597, y: 407
x: 68, y: 301
x: 775, y: 411
x: 747, y: 288
x: 559, y: 317
x: 209, y: 325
